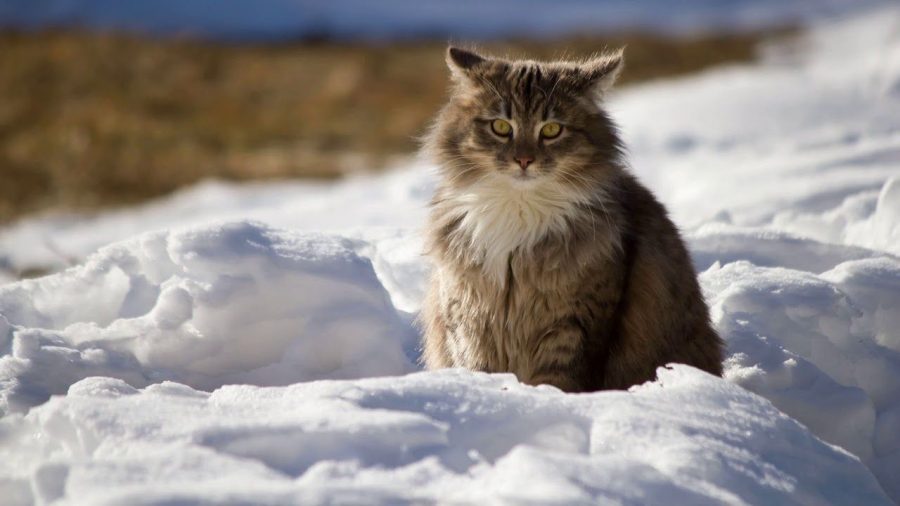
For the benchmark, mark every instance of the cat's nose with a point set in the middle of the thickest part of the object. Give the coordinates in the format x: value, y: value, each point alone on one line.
x: 524, y: 161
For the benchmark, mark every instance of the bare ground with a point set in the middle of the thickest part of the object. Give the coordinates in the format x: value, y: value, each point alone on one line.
x: 92, y: 120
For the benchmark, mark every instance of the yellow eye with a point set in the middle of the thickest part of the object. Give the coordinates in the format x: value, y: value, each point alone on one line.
x: 501, y: 127
x: 551, y: 130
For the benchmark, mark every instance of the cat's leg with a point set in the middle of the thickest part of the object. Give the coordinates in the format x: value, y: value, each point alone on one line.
x: 435, y: 353
x: 664, y: 319
x: 558, y: 359
x: 432, y: 318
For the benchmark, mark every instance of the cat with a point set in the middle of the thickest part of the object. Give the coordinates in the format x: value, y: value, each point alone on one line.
x: 551, y: 260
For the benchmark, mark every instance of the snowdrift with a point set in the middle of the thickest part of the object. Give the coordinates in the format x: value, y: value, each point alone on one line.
x: 238, y: 303
x: 242, y: 303
x: 450, y: 437
x: 178, y: 364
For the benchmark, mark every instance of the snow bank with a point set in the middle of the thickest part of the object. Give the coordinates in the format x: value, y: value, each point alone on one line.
x: 785, y: 177
x: 236, y: 303
x: 823, y: 348
x: 868, y: 219
x: 815, y: 328
x: 811, y: 132
x: 365, y: 207
x: 450, y: 437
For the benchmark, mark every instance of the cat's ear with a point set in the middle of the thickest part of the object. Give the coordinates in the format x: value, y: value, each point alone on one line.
x: 461, y: 61
x: 602, y: 71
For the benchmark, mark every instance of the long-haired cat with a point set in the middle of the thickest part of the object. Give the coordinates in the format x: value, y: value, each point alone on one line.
x: 551, y: 260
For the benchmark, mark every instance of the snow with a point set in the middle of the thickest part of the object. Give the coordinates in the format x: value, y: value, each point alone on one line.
x: 235, y: 303
x: 451, y: 437
x: 254, y: 343
x: 392, y: 19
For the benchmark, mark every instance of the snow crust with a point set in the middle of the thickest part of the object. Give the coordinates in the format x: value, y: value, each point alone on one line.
x: 177, y: 365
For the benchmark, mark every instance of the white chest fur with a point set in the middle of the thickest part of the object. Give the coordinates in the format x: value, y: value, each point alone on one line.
x: 500, y: 216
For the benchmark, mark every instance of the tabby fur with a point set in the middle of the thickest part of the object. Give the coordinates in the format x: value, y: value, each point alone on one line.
x: 564, y: 270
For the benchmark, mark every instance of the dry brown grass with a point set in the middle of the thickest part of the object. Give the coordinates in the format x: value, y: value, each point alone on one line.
x: 89, y: 120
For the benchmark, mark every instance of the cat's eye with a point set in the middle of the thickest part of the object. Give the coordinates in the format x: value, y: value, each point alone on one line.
x: 501, y: 127
x: 551, y: 130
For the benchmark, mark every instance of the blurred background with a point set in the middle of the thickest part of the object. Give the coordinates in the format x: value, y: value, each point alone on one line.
x: 111, y: 102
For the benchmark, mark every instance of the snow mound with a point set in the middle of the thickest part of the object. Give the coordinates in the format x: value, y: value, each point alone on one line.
x: 823, y: 348
x: 870, y: 219
x: 791, y: 144
x: 450, y: 437
x: 234, y: 303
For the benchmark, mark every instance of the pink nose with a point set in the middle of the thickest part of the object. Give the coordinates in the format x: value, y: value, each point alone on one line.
x: 524, y: 161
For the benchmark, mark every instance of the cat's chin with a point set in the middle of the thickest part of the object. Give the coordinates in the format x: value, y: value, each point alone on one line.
x: 523, y: 178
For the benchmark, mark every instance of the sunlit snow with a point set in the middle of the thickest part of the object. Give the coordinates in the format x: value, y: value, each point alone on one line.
x: 178, y: 362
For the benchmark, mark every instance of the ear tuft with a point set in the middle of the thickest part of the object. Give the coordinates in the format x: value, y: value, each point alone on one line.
x: 461, y: 59
x: 603, y: 70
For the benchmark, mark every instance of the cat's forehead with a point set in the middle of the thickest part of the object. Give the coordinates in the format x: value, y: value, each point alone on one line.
x: 527, y: 86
